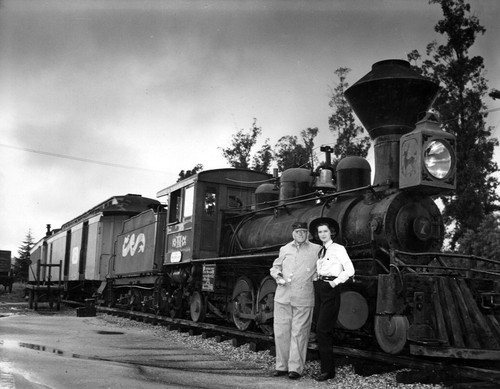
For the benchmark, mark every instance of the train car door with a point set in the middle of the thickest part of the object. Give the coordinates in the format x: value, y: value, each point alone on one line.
x: 208, y: 226
x: 179, y: 246
x: 91, y: 269
x: 83, y: 250
x: 56, y: 251
x: 67, y: 255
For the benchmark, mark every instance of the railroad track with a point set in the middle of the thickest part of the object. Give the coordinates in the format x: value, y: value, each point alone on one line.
x: 485, y: 377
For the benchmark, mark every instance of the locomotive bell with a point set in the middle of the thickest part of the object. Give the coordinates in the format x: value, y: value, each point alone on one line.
x: 325, y: 180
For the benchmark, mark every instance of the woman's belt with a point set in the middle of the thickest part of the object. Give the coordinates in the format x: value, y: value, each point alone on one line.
x: 326, y: 278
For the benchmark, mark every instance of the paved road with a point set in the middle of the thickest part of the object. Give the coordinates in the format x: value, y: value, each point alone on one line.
x: 61, y: 352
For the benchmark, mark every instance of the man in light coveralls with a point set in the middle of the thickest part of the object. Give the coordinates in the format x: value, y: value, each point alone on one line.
x: 294, y: 271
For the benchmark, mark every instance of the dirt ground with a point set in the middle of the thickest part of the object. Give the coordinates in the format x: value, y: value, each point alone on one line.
x: 17, y: 295
x: 16, y: 303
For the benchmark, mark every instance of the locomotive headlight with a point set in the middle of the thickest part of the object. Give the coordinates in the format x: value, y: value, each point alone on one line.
x: 437, y: 159
x: 427, y: 158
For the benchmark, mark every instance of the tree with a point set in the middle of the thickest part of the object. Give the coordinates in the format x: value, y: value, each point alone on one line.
x: 263, y: 159
x: 308, y: 136
x: 289, y: 153
x: 342, y: 123
x: 483, y: 243
x: 239, y: 153
x: 462, y: 110
x: 22, y: 261
x: 188, y: 173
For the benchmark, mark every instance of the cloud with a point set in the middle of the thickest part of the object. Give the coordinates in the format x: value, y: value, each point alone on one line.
x: 162, y: 85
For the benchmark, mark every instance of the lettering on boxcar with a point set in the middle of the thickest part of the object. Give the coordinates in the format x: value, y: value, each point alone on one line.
x: 75, y: 255
x: 131, y: 244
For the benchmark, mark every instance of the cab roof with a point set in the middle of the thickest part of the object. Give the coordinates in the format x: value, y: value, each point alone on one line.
x: 237, y: 177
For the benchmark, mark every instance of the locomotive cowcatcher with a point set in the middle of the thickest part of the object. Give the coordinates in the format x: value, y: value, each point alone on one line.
x: 207, y: 255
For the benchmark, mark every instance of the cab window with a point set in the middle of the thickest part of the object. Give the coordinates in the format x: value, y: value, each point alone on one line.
x: 181, y: 205
x: 174, y: 206
x: 188, y: 203
x: 210, y: 201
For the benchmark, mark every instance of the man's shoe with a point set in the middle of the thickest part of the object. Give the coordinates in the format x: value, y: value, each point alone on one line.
x: 325, y: 376
x: 279, y: 373
x: 293, y: 375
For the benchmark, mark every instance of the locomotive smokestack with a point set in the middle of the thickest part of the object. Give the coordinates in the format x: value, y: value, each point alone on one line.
x: 387, y: 101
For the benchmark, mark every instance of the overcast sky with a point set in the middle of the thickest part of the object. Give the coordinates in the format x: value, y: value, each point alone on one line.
x: 149, y: 88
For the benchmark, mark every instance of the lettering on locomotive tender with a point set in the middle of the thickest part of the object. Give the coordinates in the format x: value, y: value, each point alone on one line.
x: 179, y: 241
x: 131, y: 244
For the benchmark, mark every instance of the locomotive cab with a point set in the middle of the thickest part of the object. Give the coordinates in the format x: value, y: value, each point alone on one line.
x: 198, y: 210
x: 198, y: 206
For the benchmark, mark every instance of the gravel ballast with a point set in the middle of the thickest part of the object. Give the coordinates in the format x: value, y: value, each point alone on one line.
x: 345, y: 378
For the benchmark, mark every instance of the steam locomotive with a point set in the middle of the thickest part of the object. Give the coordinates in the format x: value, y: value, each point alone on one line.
x: 207, y: 254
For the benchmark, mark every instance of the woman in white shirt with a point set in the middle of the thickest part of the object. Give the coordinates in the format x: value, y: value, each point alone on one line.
x: 334, y: 267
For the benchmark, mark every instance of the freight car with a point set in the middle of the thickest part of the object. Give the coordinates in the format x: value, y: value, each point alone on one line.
x: 84, y: 245
x: 6, y: 276
x: 207, y: 254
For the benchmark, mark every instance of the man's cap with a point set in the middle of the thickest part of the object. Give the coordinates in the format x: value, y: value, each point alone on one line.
x: 299, y: 226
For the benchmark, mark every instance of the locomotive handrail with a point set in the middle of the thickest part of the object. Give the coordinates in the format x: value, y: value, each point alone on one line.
x: 317, y: 196
x: 454, y: 268
x: 234, y: 238
x: 237, y: 257
x: 354, y: 260
x: 449, y: 255
x: 449, y: 268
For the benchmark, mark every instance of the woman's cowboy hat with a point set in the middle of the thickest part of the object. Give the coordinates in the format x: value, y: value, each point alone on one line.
x: 313, y: 226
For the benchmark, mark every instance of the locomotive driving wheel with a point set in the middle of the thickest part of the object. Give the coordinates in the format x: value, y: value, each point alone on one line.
x: 176, y: 304
x: 265, y: 300
x: 243, y: 297
x: 135, y: 298
x: 161, y: 301
x: 197, y: 307
x: 390, y: 332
